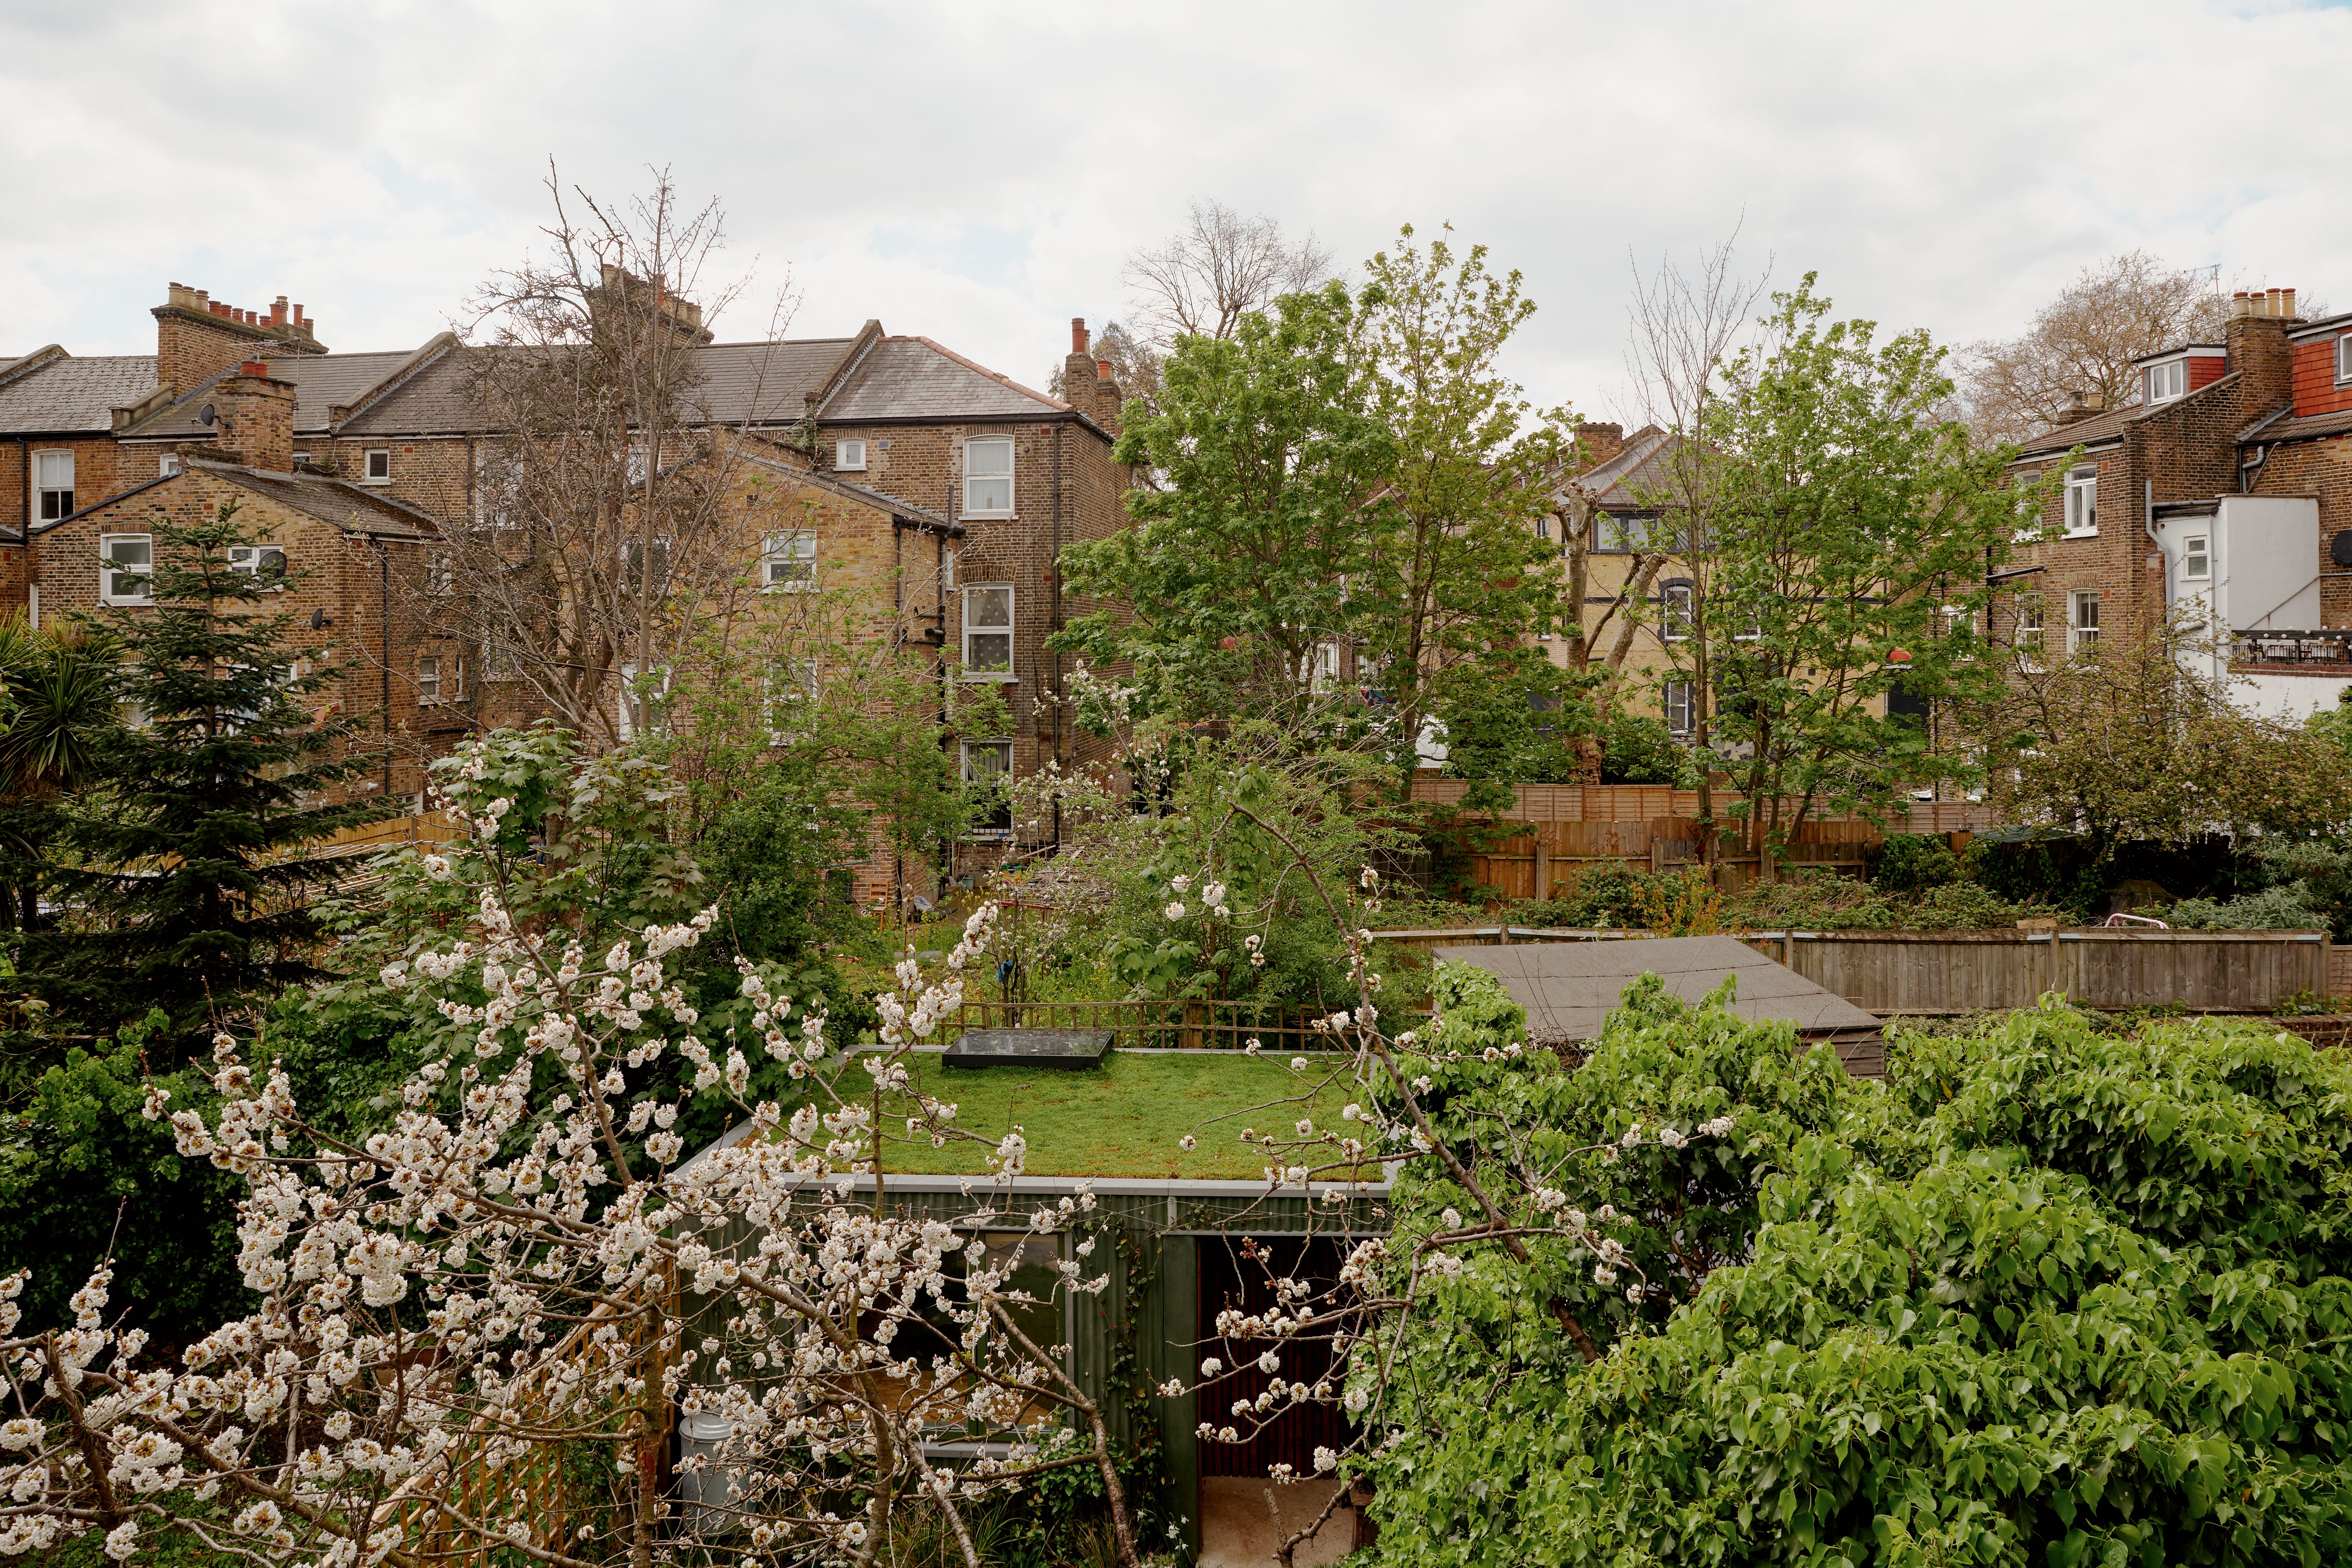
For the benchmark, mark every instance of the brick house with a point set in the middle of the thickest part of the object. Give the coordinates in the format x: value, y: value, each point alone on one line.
x: 2223, y: 491
x: 920, y: 472
x: 1616, y: 508
x: 344, y: 555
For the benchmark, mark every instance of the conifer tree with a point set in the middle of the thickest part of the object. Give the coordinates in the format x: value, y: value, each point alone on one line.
x: 193, y: 885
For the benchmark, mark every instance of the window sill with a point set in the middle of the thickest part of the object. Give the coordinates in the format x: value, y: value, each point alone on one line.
x: 989, y: 516
x: 375, y: 484
x: 126, y: 604
x: 989, y: 677
x: 2080, y: 534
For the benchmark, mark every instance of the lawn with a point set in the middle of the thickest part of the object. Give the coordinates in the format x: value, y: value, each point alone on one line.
x: 1124, y: 1118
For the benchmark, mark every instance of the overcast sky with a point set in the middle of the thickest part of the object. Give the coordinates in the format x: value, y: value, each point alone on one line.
x: 976, y: 172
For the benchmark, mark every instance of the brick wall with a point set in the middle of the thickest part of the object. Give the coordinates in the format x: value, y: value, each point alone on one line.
x: 341, y: 577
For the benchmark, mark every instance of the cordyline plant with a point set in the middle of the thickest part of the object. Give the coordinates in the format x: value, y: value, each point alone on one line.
x: 517, y: 1271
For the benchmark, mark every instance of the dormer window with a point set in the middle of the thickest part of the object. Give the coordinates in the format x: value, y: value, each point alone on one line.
x: 2344, y: 358
x: 2167, y: 380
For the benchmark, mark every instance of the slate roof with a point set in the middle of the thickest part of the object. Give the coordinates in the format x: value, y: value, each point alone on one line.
x: 1568, y: 989
x: 2104, y: 426
x: 75, y: 393
x: 349, y: 506
x: 756, y: 383
x: 2337, y: 424
x: 915, y: 378
x: 1631, y: 478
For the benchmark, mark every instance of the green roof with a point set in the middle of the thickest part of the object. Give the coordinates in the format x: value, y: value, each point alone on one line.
x: 1124, y: 1117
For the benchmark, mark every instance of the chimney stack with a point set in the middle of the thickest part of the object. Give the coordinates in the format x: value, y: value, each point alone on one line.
x: 1080, y: 342
x: 254, y: 418
x: 1600, y: 442
x: 198, y: 336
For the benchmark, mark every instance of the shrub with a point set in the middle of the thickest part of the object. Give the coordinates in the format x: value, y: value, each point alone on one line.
x: 1914, y: 863
x: 2286, y: 907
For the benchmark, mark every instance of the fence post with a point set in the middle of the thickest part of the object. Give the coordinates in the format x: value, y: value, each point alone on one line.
x: 1195, y: 1015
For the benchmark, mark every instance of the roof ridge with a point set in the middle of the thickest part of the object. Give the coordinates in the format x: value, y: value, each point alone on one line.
x: 47, y: 354
x: 393, y: 379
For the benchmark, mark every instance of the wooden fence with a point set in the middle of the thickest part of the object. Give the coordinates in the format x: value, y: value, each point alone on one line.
x: 1967, y: 971
x: 1172, y: 1025
x: 1572, y: 826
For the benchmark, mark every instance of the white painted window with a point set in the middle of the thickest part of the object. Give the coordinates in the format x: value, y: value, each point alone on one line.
x: 2082, y: 621
x: 788, y: 561
x: 988, y: 630
x: 429, y: 679
x: 849, y: 456
x: 124, y: 564
x: 266, y: 562
x: 986, y: 765
x: 2029, y: 626
x: 1674, y: 613
x: 2167, y: 380
x: 634, y: 575
x: 791, y: 694
x: 1543, y: 526
x: 2344, y: 358
x: 1680, y: 715
x: 2083, y: 502
x: 2029, y: 505
x: 2195, y: 559
x: 54, y: 479
x: 1324, y: 672
x: 378, y: 469
x: 988, y: 477
x: 167, y: 465
x: 638, y: 697
x: 498, y: 662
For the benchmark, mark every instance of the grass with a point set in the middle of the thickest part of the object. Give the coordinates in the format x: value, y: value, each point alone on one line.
x: 1124, y: 1118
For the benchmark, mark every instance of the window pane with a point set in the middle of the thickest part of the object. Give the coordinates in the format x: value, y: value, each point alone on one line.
x: 987, y: 457
x: 988, y: 495
x: 987, y: 607
x: 57, y: 471
x: 989, y: 650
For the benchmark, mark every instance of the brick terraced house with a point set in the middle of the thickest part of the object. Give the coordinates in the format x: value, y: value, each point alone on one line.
x: 2225, y: 492
x: 918, y: 471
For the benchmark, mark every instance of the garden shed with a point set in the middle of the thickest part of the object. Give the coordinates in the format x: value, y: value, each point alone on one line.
x: 1569, y: 987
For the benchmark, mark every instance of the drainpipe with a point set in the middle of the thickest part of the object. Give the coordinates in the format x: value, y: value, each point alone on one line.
x: 32, y: 577
x: 1054, y: 564
x: 383, y: 612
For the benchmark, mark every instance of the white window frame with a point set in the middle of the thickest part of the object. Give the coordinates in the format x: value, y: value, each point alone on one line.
x: 2164, y: 382
x: 1009, y: 632
x: 429, y: 679
x: 2082, y: 632
x: 788, y: 548
x: 368, y: 474
x: 2344, y: 359
x: 1676, y: 705
x: 849, y: 455
x: 792, y: 687
x: 2082, y: 500
x: 2197, y: 558
x: 1677, y: 611
x: 252, y: 559
x: 625, y: 727
x: 1006, y: 474
x: 2029, y: 508
x: 107, y: 570
x: 498, y: 664
x: 43, y: 490
x: 167, y: 465
x: 2032, y: 629
x: 964, y: 753
x: 665, y: 561
x: 1543, y: 525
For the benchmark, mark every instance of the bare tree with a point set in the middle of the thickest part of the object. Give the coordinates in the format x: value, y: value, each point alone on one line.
x: 1203, y: 279
x: 2083, y: 342
x: 614, y: 506
x: 1684, y: 326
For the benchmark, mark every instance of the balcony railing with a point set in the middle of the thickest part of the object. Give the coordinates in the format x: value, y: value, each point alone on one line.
x: 2285, y: 650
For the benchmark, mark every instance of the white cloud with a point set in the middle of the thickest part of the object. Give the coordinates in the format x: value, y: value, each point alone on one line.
x: 975, y: 173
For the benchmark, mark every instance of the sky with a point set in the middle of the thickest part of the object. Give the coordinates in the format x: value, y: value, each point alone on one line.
x: 977, y: 172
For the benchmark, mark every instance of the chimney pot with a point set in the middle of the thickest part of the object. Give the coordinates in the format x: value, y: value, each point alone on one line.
x: 1102, y: 370
x: 2286, y: 302
x: 202, y: 299
x: 253, y: 368
x: 2271, y: 296
x: 1079, y: 344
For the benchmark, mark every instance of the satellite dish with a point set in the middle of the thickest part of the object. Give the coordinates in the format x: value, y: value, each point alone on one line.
x: 208, y: 415
x: 2339, y: 549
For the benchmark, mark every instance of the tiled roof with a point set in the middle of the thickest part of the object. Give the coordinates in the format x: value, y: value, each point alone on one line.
x: 2337, y: 424
x: 75, y: 393
x: 321, y: 382
x: 915, y: 378
x: 1634, y: 475
x: 2106, y: 426
x: 875, y: 499
x: 346, y: 505
x: 757, y: 383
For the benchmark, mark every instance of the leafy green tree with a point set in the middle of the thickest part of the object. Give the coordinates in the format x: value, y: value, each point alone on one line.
x: 1850, y: 543
x: 2048, y: 1295
x: 1269, y: 446
x: 190, y: 880
x: 1456, y: 578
